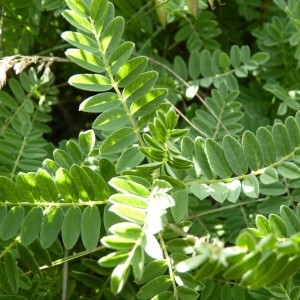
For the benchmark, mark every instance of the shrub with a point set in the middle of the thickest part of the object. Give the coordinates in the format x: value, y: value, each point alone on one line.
x: 185, y: 186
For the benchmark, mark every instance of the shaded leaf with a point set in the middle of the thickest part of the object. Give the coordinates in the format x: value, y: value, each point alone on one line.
x: 51, y: 226
x: 90, y: 227
x: 71, y: 227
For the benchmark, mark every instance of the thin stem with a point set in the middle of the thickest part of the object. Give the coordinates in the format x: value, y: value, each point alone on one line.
x: 217, y: 210
x: 118, y: 91
x: 186, y: 119
x: 9, y: 247
x: 169, y: 263
x: 65, y: 277
x: 54, y: 204
x: 187, y: 85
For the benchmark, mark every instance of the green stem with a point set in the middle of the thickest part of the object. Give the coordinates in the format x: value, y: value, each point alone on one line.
x: 54, y: 204
x: 115, y: 86
x: 169, y: 263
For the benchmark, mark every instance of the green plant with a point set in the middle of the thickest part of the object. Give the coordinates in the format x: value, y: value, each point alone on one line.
x: 184, y: 188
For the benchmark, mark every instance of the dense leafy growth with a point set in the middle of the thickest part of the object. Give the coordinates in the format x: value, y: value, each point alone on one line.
x: 183, y: 182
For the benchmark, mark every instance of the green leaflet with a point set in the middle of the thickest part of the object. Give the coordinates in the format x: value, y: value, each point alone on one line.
x: 51, y: 226
x: 191, y: 263
x: 202, y: 159
x: 219, y: 191
x: 63, y: 158
x: 112, y: 119
x: 293, y: 130
x: 98, y: 10
x: 83, y: 183
x: 113, y: 259
x: 217, y: 160
x: 90, y: 227
x: 250, y: 186
x: 46, y: 185
x: 126, y: 230
x: 289, y: 170
x: 262, y: 225
x: 233, y: 190
x: 290, y: 219
x: 275, y: 268
x: 193, y: 65
x: 120, y: 55
x: 234, y: 155
x: 71, y: 227
x: 180, y: 210
x: 66, y: 185
x: 119, y: 277
x: 74, y: 151
x: 180, y: 246
x: 124, y: 185
x: 252, y: 150
x: 277, y: 226
x: 152, y: 270
x: 201, y: 191
x: 77, y: 21
x: 129, y: 159
x: 100, y: 102
x: 87, y: 140
x: 187, y: 293
x: 118, y: 140
x: 11, y: 270
x: 8, y: 190
x: 79, y: 7
x: 138, y: 262
x: 40, y: 253
x: 12, y: 222
x: 112, y: 34
x: 86, y: 60
x: 154, y: 287
x: 91, y: 82
x: 129, y: 199
x: 137, y: 88
x: 17, y: 89
x: 118, y: 243
x: 80, y: 41
x: 130, y: 70
x: 148, y: 103
x: 246, y: 263
x: 29, y: 260
x: 31, y: 226
x: 290, y: 268
x: 101, y: 188
x: 180, y: 67
x: 235, y: 56
x: 186, y: 279
x: 261, y: 270
x: 129, y: 213
x: 246, y: 240
x: 269, y: 176
x: 282, y: 140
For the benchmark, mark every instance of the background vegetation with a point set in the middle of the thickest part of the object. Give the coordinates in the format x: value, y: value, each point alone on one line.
x: 149, y: 149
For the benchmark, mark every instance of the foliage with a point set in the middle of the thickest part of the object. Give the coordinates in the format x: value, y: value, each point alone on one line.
x: 186, y: 184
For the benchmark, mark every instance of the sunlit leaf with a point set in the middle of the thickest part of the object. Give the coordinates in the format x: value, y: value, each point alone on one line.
x: 91, y: 82
x: 118, y: 140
